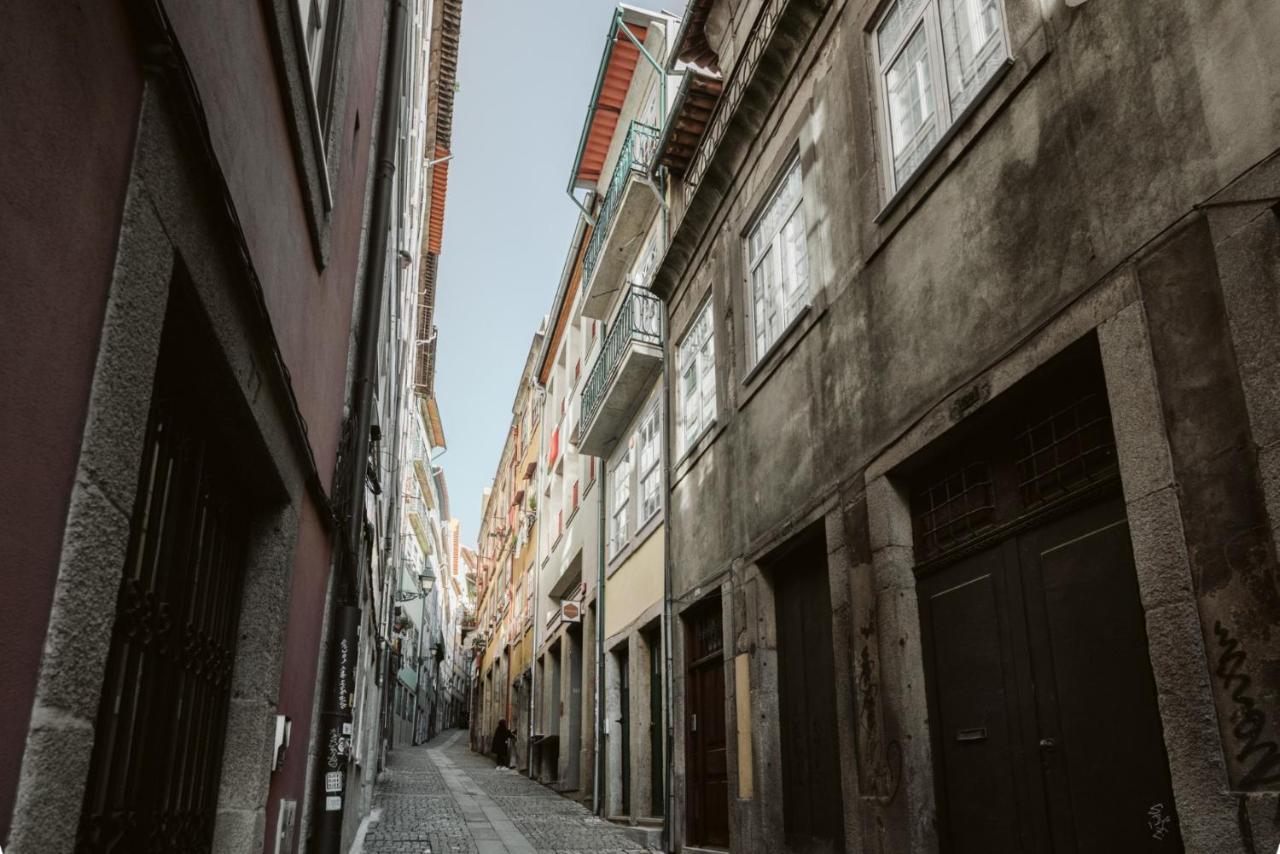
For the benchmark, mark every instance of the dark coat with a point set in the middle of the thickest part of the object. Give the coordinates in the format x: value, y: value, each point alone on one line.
x: 501, y: 740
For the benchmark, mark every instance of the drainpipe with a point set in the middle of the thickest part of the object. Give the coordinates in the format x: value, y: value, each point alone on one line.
x: 601, y: 484
x: 668, y: 609
x: 336, y: 720
x: 668, y: 520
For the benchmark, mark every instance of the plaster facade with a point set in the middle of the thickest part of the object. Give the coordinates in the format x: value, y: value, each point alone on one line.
x: 1036, y: 224
x: 215, y: 193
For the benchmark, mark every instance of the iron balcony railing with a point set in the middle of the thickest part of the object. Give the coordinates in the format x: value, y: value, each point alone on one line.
x: 638, y: 320
x: 637, y: 153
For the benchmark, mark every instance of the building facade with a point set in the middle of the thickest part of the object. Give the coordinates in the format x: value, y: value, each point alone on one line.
x: 621, y: 421
x: 194, y: 239
x: 590, y: 699
x: 508, y: 547
x: 972, y: 500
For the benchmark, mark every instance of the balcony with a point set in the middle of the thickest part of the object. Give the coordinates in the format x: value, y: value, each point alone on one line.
x: 626, y: 367
x: 621, y: 223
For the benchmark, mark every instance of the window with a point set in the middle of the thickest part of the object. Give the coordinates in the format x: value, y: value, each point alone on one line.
x: 696, y: 365
x: 934, y: 58
x: 777, y: 263
x: 318, y: 19
x: 620, y: 480
x: 650, y: 454
x: 647, y: 261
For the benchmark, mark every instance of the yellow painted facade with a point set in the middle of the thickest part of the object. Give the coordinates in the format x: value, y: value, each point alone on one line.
x: 635, y: 586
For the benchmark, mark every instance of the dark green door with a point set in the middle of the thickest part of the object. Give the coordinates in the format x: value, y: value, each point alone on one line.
x: 1040, y: 689
x: 624, y: 728
x: 657, y: 777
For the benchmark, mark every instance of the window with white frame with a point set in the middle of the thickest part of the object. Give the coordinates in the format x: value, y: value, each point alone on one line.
x: 934, y: 57
x: 777, y: 262
x: 649, y: 439
x: 647, y: 261
x: 620, y: 499
x: 696, y: 367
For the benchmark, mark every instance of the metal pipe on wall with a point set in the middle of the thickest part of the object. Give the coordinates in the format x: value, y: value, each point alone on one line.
x: 601, y: 482
x: 337, y: 728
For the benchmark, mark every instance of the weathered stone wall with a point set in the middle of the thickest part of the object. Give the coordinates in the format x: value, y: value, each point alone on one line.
x: 1036, y: 224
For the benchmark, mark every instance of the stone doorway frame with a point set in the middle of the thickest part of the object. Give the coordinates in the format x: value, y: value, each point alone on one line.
x: 893, y: 755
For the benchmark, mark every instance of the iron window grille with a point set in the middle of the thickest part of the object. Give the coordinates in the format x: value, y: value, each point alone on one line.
x: 1039, y: 446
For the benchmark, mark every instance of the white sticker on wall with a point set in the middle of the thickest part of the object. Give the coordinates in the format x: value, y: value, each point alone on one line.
x: 333, y: 781
x: 333, y: 802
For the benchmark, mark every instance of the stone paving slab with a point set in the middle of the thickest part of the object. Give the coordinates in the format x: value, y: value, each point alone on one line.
x: 443, y: 799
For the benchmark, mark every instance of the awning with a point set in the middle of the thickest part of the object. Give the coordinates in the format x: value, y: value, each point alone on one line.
x: 694, y: 103
x: 692, y: 46
x: 435, y: 427
x: 439, y: 187
x: 617, y: 67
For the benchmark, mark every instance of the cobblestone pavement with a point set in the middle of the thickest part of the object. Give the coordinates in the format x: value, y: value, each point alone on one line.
x: 443, y: 799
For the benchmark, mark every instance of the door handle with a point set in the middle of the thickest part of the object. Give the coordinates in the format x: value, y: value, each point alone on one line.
x: 1048, y: 743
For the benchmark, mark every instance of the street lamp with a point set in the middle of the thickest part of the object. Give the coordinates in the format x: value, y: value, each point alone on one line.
x: 428, y: 580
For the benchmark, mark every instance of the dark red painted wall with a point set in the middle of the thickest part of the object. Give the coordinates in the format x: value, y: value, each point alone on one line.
x: 70, y: 90
x: 311, y: 310
x: 69, y: 96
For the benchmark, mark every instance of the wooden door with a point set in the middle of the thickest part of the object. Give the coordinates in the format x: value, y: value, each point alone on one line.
x: 657, y: 773
x: 1095, y: 696
x: 813, y: 809
x: 705, y: 731
x: 979, y: 689
x: 1042, y: 696
x: 624, y: 728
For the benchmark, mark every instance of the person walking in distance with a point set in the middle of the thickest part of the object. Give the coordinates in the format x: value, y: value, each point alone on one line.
x: 501, y: 740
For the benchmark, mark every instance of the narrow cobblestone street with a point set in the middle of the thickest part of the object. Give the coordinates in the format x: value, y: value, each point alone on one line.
x: 443, y: 799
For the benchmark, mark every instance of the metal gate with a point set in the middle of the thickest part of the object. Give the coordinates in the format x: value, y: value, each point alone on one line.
x: 157, y: 755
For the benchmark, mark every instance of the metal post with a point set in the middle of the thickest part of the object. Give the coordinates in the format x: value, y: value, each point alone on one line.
x: 335, y: 729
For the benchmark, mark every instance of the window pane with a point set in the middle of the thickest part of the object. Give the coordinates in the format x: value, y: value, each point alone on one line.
x: 795, y: 266
x: 973, y: 46
x: 911, y: 110
x: 779, y: 269
x: 649, y: 494
x: 650, y: 456
x: 895, y: 23
x: 762, y: 287
x: 621, y: 475
x: 697, y: 375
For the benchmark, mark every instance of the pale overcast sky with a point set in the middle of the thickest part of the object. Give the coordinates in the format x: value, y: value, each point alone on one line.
x: 525, y: 74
